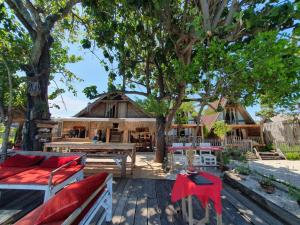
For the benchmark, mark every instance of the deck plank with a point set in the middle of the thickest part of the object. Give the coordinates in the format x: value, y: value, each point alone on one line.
x: 146, y: 202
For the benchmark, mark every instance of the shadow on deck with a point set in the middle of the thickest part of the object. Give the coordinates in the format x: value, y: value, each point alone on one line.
x: 145, y: 202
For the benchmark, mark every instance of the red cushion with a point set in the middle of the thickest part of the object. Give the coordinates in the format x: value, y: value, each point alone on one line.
x: 10, y: 171
x: 38, y: 175
x: 65, y: 202
x: 22, y: 160
x: 58, y: 161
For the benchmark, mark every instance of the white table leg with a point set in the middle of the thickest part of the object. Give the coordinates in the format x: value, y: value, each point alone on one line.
x: 219, y: 219
x: 190, y: 209
x: 183, y: 206
x: 205, y: 220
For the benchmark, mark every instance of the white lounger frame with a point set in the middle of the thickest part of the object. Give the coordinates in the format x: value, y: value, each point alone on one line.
x: 104, y: 201
x: 49, y: 189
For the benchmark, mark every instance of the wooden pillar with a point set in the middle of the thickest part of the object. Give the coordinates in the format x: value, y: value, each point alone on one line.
x: 89, y: 130
x: 261, y: 133
x: 107, y: 135
x: 125, y: 136
x: 202, y: 133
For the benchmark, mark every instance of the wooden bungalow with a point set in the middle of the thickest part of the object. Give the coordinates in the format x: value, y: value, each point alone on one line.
x: 111, y: 118
x: 242, y: 125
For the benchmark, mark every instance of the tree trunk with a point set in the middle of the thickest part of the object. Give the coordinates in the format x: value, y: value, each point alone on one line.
x: 5, y: 136
x: 18, y: 135
x: 160, y: 139
x: 37, y: 97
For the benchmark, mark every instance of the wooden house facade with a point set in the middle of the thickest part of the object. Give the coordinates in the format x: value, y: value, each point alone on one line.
x: 111, y: 118
x: 236, y: 116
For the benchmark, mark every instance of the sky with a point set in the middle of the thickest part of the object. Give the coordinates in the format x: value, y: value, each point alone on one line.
x: 91, y: 72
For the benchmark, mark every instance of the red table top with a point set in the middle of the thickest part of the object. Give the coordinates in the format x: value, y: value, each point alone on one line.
x: 184, y: 187
x: 208, y: 148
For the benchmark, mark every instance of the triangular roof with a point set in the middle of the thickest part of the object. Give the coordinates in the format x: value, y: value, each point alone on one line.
x: 107, y: 96
x: 209, y: 119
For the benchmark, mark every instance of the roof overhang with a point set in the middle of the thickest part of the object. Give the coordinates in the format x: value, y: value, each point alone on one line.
x: 244, y: 125
x: 90, y: 119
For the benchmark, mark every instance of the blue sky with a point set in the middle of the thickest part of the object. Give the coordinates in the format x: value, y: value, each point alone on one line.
x: 92, y: 73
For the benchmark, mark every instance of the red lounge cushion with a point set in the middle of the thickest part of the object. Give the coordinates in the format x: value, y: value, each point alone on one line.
x: 10, y: 171
x: 64, y: 203
x: 22, y: 160
x: 40, y: 176
x: 58, y: 161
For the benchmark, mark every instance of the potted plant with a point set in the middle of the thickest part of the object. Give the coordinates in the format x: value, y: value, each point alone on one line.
x: 267, y: 184
x: 243, y: 171
x: 295, y: 194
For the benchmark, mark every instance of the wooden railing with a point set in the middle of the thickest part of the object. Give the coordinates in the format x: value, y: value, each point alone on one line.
x: 230, y: 142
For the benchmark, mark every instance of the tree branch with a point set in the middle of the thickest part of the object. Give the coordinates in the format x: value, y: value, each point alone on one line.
x: 125, y: 92
x: 219, y: 13
x: 22, y: 15
x: 53, y: 18
x: 231, y: 12
x: 206, y: 17
x: 34, y: 13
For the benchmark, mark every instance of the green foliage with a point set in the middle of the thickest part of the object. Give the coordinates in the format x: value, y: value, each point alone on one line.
x: 289, y: 150
x: 154, y: 107
x: 244, y: 170
x: 91, y: 91
x: 185, y: 113
x: 267, y: 180
x: 267, y: 112
x: 220, y: 128
x: 292, y: 155
x: 267, y: 148
x: 294, y: 193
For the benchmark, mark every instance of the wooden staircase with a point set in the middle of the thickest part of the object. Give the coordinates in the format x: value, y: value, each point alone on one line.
x: 270, y: 156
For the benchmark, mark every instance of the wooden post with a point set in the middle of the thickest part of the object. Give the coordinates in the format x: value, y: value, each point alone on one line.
x: 125, y: 136
x: 123, y: 166
x: 107, y: 135
x: 202, y: 133
x: 261, y: 133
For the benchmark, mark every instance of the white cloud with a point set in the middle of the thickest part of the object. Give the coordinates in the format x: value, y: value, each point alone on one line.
x: 73, y: 105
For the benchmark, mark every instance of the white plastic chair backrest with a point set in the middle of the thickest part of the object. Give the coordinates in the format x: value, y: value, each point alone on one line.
x: 177, y: 144
x: 204, y: 144
x: 188, y: 144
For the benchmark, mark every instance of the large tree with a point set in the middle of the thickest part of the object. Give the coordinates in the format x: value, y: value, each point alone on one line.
x: 39, y: 19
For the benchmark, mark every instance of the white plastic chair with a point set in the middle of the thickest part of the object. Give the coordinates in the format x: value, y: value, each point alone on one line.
x: 179, y: 155
x: 207, y: 158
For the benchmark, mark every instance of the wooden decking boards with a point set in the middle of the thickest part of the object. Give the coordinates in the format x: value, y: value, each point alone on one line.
x: 146, y: 202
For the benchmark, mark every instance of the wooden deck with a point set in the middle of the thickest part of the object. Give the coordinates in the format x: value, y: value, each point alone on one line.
x: 146, y: 202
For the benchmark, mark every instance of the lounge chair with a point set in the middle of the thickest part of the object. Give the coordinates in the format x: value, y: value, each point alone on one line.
x: 83, y: 202
x: 50, y: 175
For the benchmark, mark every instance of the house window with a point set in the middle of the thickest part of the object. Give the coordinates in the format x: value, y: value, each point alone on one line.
x: 111, y: 110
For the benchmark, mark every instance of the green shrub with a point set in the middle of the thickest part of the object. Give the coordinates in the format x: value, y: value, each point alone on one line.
x: 244, y: 170
x: 294, y: 193
x: 292, y: 155
x: 267, y: 148
x: 267, y: 181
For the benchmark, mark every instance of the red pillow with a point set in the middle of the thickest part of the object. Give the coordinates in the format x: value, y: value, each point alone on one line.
x: 58, y: 161
x: 22, y: 160
x: 64, y: 203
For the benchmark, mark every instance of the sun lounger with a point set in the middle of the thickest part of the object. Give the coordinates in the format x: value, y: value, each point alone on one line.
x: 83, y: 202
x: 53, y: 173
